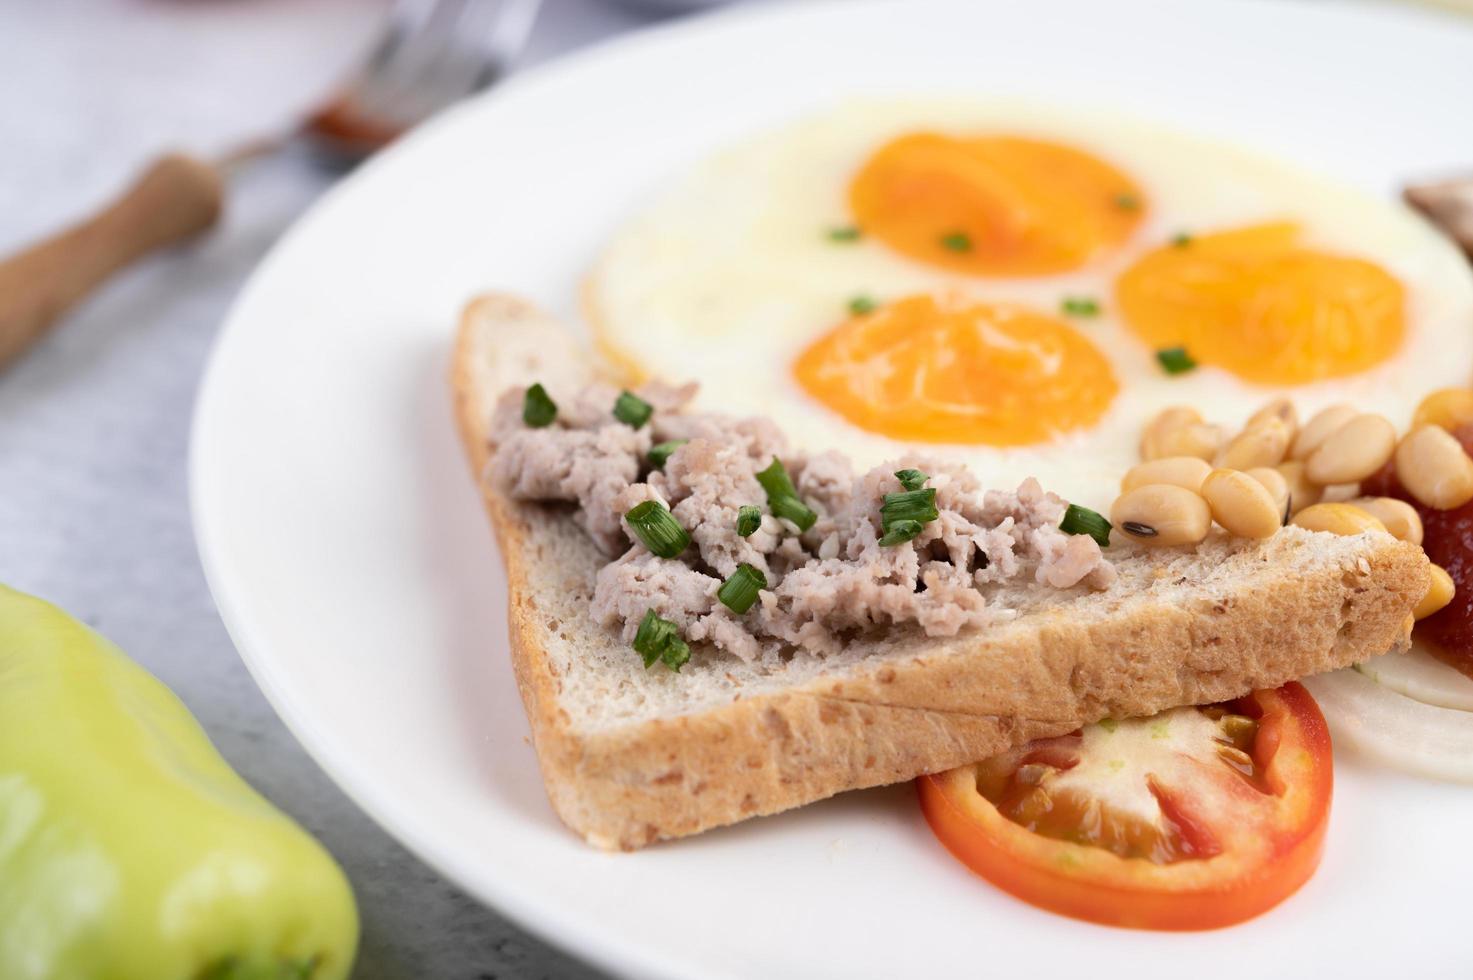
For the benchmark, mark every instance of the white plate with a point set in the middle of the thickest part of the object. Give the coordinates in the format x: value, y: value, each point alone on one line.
x: 353, y: 566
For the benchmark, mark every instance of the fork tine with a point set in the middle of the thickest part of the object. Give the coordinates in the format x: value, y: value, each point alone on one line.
x: 412, y: 15
x: 429, y: 68
x: 491, y: 33
x: 510, y: 29
x: 445, y: 17
x: 434, y: 52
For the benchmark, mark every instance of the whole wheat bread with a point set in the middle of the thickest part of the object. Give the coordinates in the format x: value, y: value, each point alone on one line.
x: 631, y: 756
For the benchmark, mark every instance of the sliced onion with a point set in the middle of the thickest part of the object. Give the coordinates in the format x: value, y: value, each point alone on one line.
x: 1418, y: 674
x: 1394, y: 729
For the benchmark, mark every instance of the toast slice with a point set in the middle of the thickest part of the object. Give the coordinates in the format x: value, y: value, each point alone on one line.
x: 631, y: 756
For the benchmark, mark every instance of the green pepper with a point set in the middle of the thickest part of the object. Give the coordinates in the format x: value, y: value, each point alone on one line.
x: 129, y: 849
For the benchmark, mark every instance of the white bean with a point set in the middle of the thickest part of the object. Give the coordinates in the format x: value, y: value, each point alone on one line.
x: 1352, y: 452
x: 1241, y: 504
x: 1162, y: 514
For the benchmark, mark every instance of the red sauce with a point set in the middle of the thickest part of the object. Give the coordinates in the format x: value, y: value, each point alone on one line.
x: 1448, y: 541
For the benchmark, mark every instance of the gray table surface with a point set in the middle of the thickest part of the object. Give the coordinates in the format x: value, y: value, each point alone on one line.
x: 94, y: 514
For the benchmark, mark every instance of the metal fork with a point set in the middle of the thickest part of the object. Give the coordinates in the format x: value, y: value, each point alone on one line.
x: 430, y: 54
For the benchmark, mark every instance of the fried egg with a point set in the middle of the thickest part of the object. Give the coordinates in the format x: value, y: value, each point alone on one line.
x: 1004, y: 284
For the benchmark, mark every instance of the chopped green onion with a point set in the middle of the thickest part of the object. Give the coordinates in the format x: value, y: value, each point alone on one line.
x: 1181, y: 239
x: 538, y: 410
x: 957, y: 241
x: 1127, y: 202
x: 911, y: 479
x: 899, y: 532
x: 660, y: 452
x: 1175, y: 360
x: 860, y: 305
x: 1082, y: 520
x: 1080, y: 306
x: 676, y: 654
x: 782, y: 496
x: 632, y: 410
x: 657, y: 528
x: 1108, y: 724
x: 739, y: 591
x: 903, y: 515
x: 794, y: 510
x: 844, y: 233
x: 653, y: 634
x: 909, y: 505
x: 749, y: 519
x: 659, y: 639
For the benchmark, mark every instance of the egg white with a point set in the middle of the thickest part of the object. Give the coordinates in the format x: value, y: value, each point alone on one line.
x: 729, y: 275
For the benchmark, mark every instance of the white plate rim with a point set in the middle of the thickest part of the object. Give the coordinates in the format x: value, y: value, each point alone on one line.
x: 607, y: 948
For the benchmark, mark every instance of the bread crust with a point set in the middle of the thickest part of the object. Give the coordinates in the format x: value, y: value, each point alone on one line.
x: 630, y: 786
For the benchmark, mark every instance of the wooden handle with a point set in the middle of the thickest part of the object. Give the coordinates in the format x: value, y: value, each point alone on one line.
x: 176, y: 198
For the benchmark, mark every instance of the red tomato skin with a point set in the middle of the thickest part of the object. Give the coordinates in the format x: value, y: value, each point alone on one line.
x: 996, y: 851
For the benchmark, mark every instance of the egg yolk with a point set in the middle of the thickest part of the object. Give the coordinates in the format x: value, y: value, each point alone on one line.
x: 1256, y: 303
x: 941, y: 370
x: 994, y: 205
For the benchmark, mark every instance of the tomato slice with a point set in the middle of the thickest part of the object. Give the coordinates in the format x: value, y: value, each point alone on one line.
x: 1196, y: 818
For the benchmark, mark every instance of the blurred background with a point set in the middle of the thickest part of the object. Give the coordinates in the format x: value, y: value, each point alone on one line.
x: 94, y: 420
